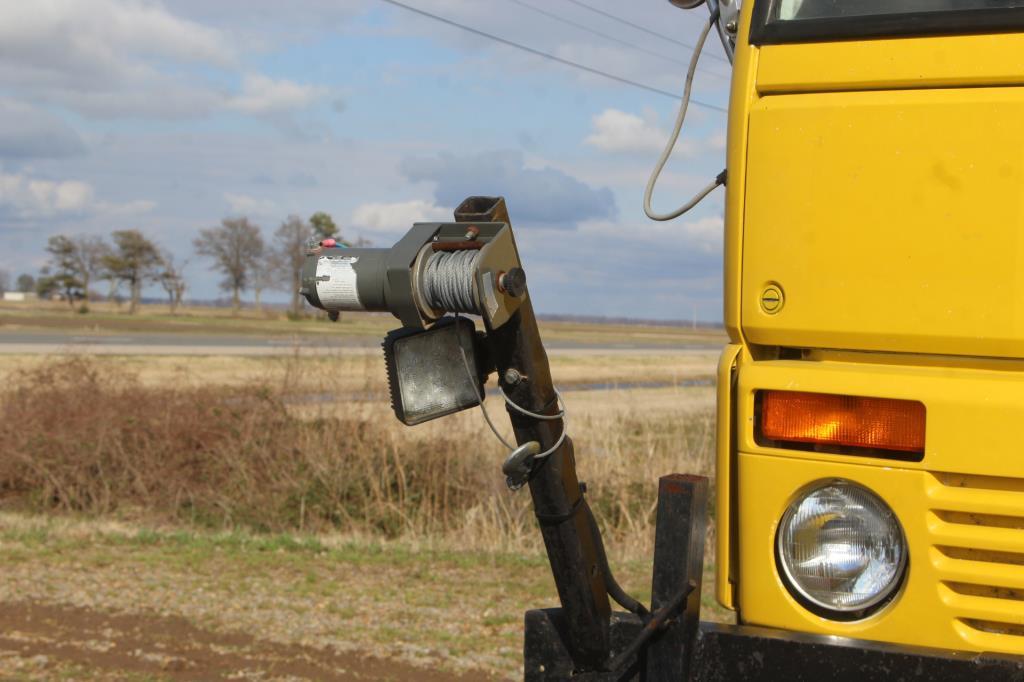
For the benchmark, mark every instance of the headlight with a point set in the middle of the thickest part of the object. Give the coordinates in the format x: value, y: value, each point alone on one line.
x: 842, y: 549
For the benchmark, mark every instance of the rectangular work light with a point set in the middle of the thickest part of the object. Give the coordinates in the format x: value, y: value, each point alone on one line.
x: 843, y: 421
x: 427, y: 371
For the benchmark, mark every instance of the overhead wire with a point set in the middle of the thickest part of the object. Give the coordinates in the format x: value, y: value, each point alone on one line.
x: 547, y: 55
x: 609, y: 37
x: 613, y: 17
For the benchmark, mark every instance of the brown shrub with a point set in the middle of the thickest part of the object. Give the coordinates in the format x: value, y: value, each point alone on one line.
x: 75, y: 436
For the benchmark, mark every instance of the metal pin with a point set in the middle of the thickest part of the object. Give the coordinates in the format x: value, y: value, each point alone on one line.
x: 513, y: 376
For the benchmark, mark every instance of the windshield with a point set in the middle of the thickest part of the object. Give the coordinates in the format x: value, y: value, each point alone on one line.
x: 788, y: 10
x: 781, y: 21
x: 806, y: 9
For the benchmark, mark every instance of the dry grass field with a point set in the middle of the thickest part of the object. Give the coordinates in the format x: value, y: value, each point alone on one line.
x: 109, y: 319
x: 268, y: 518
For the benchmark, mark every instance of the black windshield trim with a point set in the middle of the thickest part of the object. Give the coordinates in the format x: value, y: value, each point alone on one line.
x: 952, y: 22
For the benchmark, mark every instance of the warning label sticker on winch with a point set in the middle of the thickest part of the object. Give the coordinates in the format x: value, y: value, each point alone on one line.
x: 336, y: 283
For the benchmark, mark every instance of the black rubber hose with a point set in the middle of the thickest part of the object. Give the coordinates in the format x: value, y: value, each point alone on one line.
x: 615, y: 590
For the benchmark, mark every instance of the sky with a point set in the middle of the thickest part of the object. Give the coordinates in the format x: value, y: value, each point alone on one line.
x: 169, y: 116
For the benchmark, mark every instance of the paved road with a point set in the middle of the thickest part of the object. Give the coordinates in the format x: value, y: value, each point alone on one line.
x: 26, y: 342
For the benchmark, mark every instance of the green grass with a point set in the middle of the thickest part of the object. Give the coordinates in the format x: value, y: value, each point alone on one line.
x: 274, y: 550
x: 466, y: 605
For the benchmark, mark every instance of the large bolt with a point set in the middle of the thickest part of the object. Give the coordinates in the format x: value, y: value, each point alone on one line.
x: 513, y: 282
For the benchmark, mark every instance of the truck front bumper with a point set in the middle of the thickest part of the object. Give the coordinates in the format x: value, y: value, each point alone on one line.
x: 732, y: 653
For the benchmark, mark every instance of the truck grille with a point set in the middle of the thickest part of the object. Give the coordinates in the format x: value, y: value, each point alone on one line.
x: 976, y: 525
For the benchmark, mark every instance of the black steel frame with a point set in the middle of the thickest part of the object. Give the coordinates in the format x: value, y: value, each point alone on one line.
x: 738, y: 653
x: 685, y: 650
x: 571, y: 541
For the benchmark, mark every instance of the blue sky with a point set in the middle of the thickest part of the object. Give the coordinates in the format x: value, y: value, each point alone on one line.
x: 167, y: 117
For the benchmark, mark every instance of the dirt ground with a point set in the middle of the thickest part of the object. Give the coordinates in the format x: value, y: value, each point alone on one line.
x: 102, y: 600
x: 42, y: 641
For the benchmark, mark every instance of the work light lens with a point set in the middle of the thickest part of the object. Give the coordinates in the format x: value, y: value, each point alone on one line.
x: 841, y: 548
x: 429, y: 375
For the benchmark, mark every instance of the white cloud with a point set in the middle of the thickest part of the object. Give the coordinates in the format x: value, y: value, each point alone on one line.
x: 263, y: 95
x: 129, y: 58
x: 83, y: 43
x: 243, y: 204
x: 30, y: 132
x: 130, y: 208
x: 699, y: 235
x: 26, y: 198
x: 399, y: 216
x: 621, y: 132
x: 108, y: 58
x: 706, y: 234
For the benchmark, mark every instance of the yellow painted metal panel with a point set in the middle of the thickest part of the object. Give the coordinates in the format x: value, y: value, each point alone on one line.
x: 891, y: 220
x: 928, y: 62
x: 741, y: 98
x: 975, y: 416
x: 725, y: 447
x: 986, y: 572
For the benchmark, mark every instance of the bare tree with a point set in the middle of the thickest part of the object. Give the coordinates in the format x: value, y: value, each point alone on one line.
x: 5, y: 281
x: 134, y: 260
x: 92, y: 253
x: 235, y: 247
x: 172, y: 279
x: 290, y: 242
x: 64, y: 271
x: 45, y: 285
x: 113, y: 287
x: 266, y: 274
x: 75, y: 263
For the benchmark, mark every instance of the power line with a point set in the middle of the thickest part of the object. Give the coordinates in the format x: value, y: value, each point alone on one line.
x: 546, y: 55
x: 606, y: 36
x: 638, y: 27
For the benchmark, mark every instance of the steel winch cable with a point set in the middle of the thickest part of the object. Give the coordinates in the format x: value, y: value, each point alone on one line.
x: 562, y: 414
x: 448, y: 281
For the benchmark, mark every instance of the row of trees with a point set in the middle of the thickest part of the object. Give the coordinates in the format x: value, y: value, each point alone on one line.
x: 25, y: 283
x: 236, y: 248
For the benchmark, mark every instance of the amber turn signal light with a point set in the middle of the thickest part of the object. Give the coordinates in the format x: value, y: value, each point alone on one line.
x: 843, y: 420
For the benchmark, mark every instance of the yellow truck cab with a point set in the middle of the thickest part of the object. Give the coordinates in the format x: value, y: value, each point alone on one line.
x: 871, y: 402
